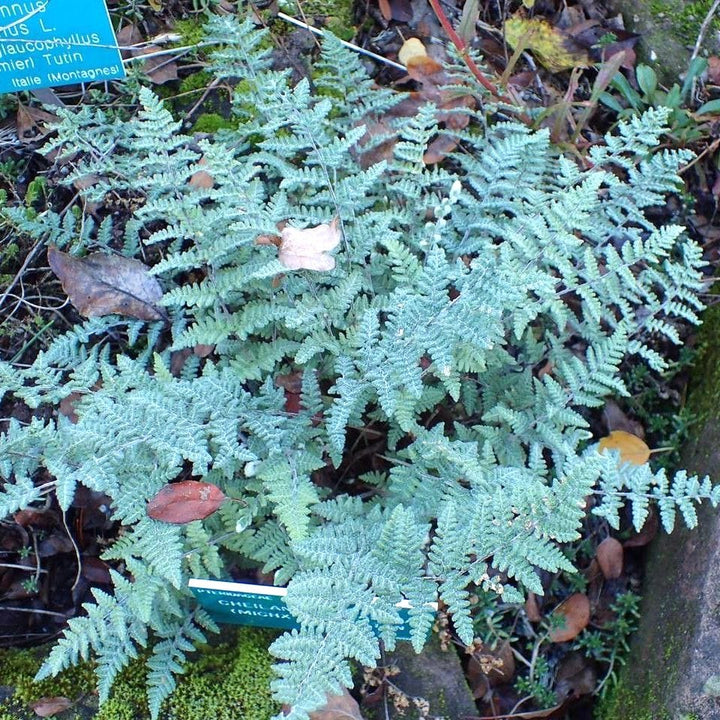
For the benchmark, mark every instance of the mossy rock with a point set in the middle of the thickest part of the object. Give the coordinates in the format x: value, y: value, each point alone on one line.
x: 668, y: 30
x: 228, y: 680
x: 434, y: 676
x: 672, y: 671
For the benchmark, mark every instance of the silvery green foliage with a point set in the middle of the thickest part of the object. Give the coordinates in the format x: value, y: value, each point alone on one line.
x: 450, y: 286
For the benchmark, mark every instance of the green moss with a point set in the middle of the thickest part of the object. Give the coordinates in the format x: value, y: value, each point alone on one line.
x: 196, y: 81
x: 337, y: 15
x: 227, y: 681
x: 212, y: 122
x: 18, y: 667
x: 686, y: 18
x: 191, y: 31
x: 704, y: 399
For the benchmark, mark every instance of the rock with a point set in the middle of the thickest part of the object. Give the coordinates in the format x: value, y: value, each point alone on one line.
x: 669, y: 29
x: 434, y: 675
x: 672, y: 669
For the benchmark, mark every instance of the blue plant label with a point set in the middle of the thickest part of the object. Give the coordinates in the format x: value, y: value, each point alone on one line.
x: 243, y: 603
x: 261, y: 605
x: 56, y: 42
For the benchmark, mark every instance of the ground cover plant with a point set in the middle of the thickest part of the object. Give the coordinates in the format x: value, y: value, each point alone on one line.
x: 313, y: 284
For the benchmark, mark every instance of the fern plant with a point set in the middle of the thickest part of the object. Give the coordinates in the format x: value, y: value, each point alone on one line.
x: 451, y: 284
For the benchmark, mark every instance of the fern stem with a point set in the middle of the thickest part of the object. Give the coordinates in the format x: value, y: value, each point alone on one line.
x: 461, y: 46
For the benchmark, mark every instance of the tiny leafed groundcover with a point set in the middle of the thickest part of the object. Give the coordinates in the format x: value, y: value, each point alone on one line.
x: 375, y: 341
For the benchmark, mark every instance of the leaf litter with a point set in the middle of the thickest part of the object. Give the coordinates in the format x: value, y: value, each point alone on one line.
x: 102, y: 284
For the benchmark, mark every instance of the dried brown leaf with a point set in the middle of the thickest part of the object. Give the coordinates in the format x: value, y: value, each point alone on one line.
x: 159, y: 69
x: 609, y: 555
x: 576, y: 676
x: 714, y: 70
x: 307, y: 249
x: 94, y: 570
x: 67, y: 406
x: 490, y: 667
x: 647, y: 532
x: 532, y: 609
x: 338, y: 707
x: 570, y: 618
x: 101, y: 284
x: 183, y: 502
x: 202, y: 350
x: 33, y: 124
x: 49, y: 706
x: 616, y: 419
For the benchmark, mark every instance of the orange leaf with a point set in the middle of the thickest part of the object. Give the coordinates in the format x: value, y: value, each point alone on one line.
x: 411, y: 49
x: 609, y: 555
x: 183, y: 502
x: 632, y: 449
x: 572, y: 616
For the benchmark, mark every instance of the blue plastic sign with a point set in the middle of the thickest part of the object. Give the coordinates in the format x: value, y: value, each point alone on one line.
x: 262, y: 605
x: 44, y: 43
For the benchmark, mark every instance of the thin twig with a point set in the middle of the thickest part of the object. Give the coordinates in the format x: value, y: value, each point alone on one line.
x: 356, y: 48
x: 77, y: 552
x: 168, y: 51
x: 7, y: 608
x: 462, y: 48
x: 704, y: 28
x: 28, y: 259
x: 27, y: 568
x: 206, y: 92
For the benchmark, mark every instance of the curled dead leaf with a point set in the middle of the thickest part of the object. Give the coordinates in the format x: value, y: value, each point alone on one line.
x: 616, y: 419
x: 201, y: 179
x: 532, y: 609
x: 609, y: 555
x: 202, y: 350
x: 307, y: 249
x: 338, y: 707
x: 159, y: 69
x: 101, y: 284
x: 183, y: 502
x: 647, y: 532
x: 576, y: 676
x: 268, y: 240
x: 411, y: 50
x: 490, y: 667
x: 49, y: 706
x: 570, y: 618
x: 632, y: 449
x: 33, y: 123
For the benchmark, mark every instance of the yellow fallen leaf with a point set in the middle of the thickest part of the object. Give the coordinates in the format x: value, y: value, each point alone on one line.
x: 632, y: 449
x: 546, y: 42
x: 307, y: 249
x: 412, y: 48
